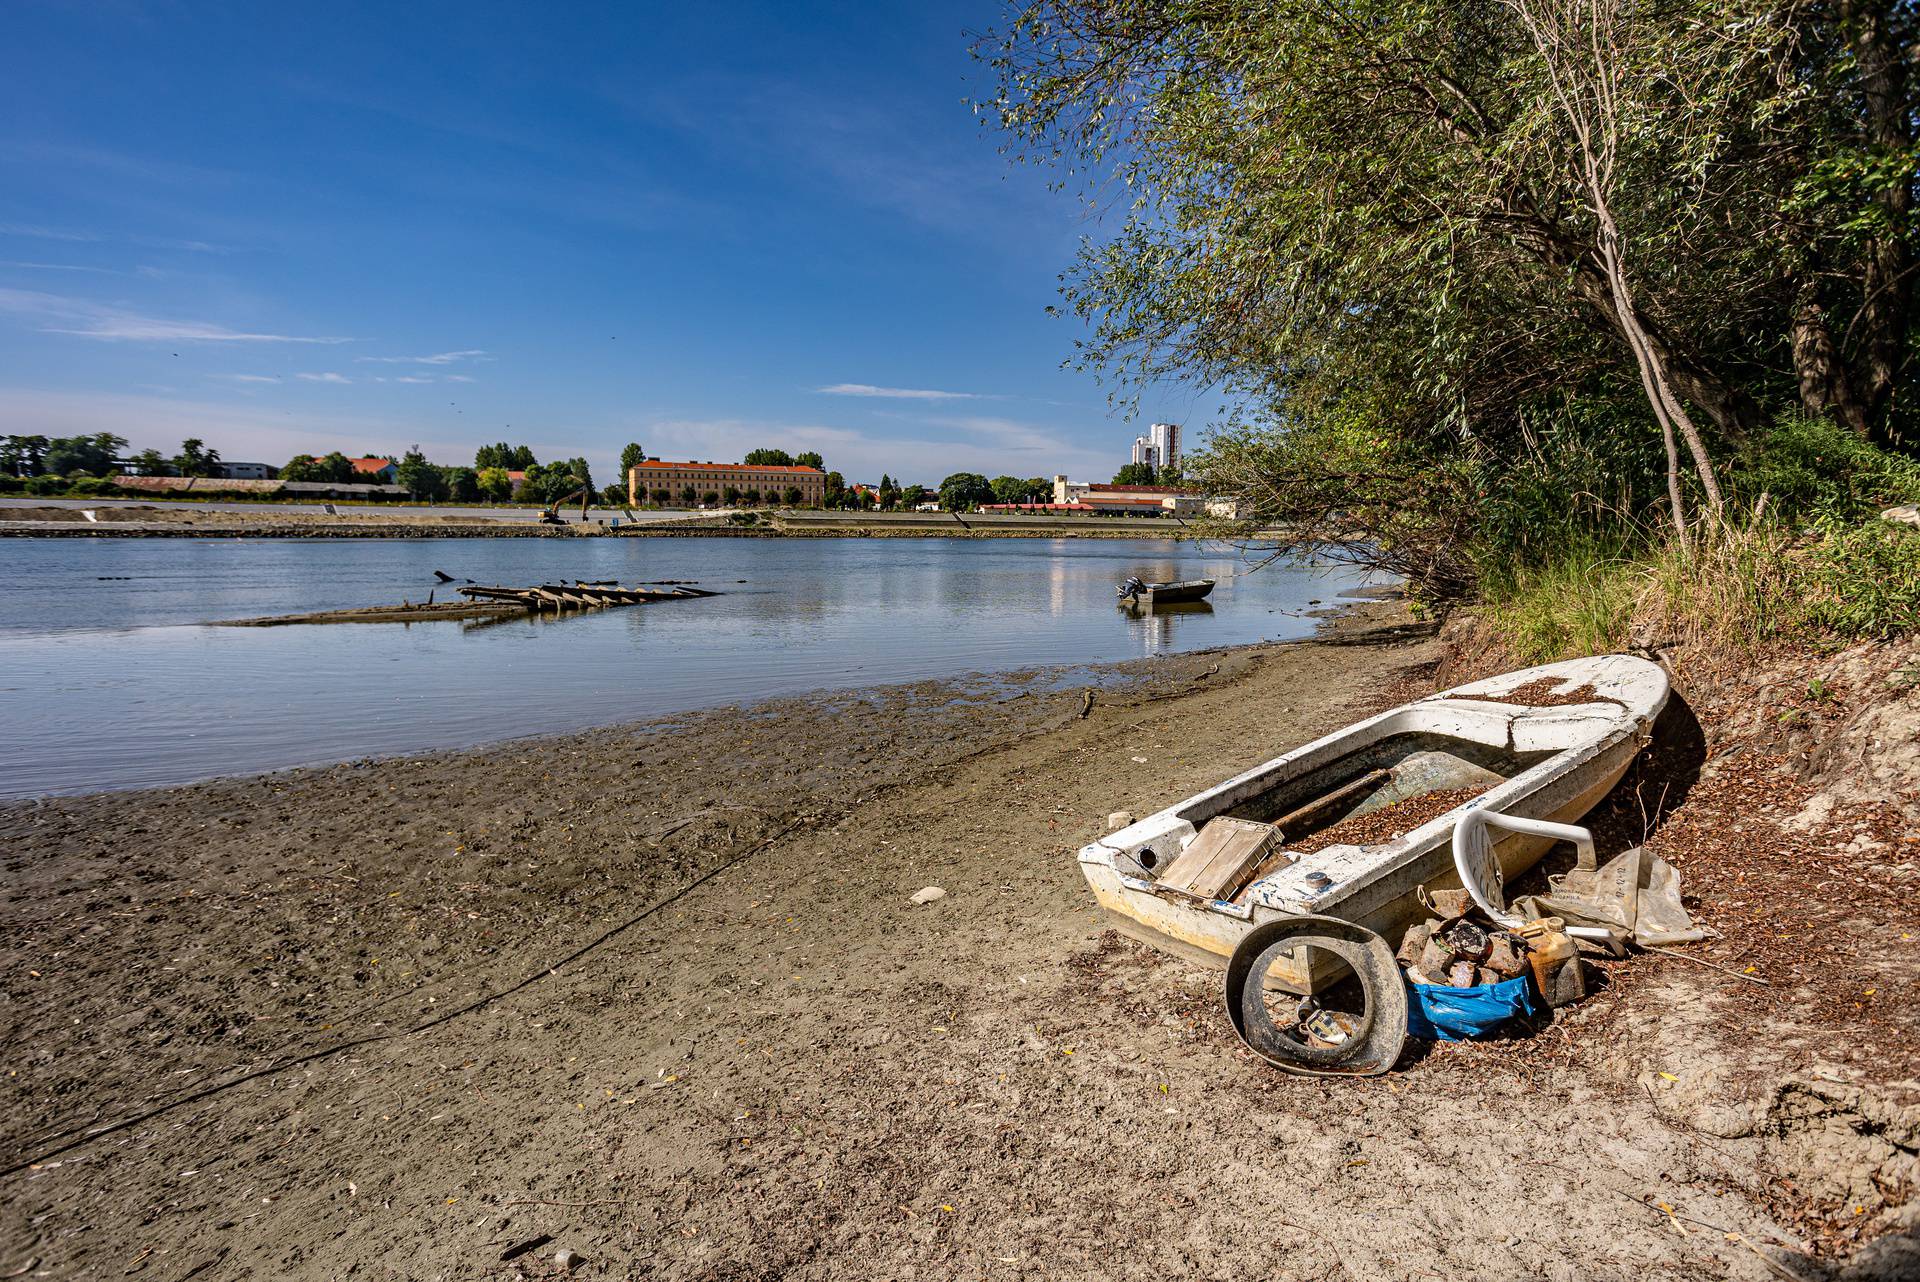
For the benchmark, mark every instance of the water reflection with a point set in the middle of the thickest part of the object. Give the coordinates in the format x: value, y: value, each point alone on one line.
x: 1156, y: 625
x: 106, y: 669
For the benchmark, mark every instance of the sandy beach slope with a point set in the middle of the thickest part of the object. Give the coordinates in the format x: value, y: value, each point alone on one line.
x: 659, y: 993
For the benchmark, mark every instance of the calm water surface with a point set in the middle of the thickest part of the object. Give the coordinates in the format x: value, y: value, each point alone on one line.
x: 109, y: 677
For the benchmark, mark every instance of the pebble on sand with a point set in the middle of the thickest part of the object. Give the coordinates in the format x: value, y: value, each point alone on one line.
x: 928, y: 895
x: 1119, y: 819
x: 569, y: 1259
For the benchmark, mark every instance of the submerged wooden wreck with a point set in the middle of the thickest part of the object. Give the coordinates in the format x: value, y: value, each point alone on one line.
x: 579, y: 595
x: 490, y: 603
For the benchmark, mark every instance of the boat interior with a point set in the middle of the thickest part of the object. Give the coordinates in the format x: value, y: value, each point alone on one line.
x: 1225, y: 860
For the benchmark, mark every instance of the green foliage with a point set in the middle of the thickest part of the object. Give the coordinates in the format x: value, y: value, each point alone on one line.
x: 1392, y: 195
x: 1381, y: 229
x: 1134, y: 474
x: 1814, y: 470
x: 768, y: 458
x: 964, y: 491
x: 1863, y: 582
x: 553, y: 482
x: 509, y: 458
x: 1011, y: 489
x: 463, y: 484
x: 150, y: 462
x: 423, y: 480
x: 95, y: 455
x: 631, y: 457
x: 810, y: 458
x: 1344, y: 487
x: 1586, y: 471
x: 334, y: 469
x: 23, y: 455
x: 494, y: 484
x: 195, y: 459
x: 792, y: 496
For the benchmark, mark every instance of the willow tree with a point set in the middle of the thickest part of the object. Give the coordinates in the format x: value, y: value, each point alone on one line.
x: 1429, y: 218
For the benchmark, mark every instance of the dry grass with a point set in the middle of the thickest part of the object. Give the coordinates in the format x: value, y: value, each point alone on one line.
x: 1744, y: 587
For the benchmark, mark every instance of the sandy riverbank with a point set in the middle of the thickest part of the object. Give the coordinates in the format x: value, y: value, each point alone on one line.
x: 766, y: 1062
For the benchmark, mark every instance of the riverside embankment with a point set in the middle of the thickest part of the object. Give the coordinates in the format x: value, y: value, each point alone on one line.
x: 659, y: 996
x: 260, y: 520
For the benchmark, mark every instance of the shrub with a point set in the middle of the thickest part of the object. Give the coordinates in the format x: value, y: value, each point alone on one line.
x: 48, y: 484
x: 1863, y: 582
x: 1341, y: 487
x: 1812, y: 469
x: 88, y: 486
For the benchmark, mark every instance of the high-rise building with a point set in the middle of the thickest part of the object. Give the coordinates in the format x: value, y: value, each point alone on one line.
x: 1164, y: 439
x: 1144, y: 452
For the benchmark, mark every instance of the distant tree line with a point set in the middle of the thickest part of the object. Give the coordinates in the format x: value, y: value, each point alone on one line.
x: 52, y: 465
x: 87, y: 464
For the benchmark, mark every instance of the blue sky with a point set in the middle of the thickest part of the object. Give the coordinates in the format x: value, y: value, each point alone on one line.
x: 286, y: 228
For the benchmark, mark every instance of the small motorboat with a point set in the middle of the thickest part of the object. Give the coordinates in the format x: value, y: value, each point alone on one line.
x: 1350, y: 826
x: 1135, y: 592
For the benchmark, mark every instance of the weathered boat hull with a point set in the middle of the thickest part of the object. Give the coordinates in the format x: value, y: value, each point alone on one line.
x: 1550, y: 762
x: 1171, y: 593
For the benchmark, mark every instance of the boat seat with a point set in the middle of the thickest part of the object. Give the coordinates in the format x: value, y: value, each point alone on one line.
x: 1223, y: 855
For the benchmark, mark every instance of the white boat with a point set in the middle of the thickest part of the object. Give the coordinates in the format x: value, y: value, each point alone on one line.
x: 1543, y: 743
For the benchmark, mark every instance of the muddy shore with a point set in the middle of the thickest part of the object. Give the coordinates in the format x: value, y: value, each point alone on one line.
x: 657, y: 995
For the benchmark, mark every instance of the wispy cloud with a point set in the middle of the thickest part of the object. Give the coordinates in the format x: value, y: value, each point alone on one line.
x: 459, y: 378
x: 328, y: 377
x: 249, y: 378
x: 86, y: 319
x: 410, y: 378
x: 897, y: 393
x: 35, y: 232
x: 58, y: 267
x: 438, y: 358
x: 74, y: 235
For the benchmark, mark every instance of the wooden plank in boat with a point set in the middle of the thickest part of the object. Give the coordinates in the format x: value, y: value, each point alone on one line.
x: 1215, y: 861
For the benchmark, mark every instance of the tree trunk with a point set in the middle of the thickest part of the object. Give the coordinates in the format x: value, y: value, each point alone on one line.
x: 1887, y: 281
x: 1653, y: 370
x: 1826, y: 386
x: 1732, y: 411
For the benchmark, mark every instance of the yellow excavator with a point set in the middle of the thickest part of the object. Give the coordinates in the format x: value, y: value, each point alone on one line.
x: 551, y: 516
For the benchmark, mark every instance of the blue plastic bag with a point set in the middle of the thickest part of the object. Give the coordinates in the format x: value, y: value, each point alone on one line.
x: 1445, y: 1014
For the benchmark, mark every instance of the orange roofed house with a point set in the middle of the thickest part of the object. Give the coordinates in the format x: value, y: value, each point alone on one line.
x: 644, y: 479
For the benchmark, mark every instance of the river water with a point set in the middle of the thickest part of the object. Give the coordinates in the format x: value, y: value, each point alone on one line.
x: 110, y: 678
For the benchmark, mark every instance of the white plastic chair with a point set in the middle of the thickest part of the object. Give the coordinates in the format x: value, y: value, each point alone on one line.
x: 1479, y: 870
